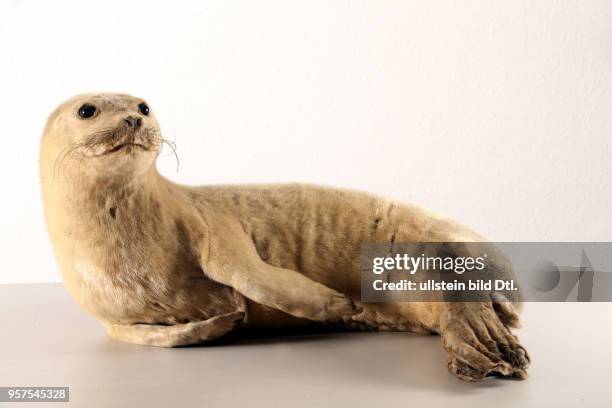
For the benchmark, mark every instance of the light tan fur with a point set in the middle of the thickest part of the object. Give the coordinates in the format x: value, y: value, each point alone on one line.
x: 165, y: 264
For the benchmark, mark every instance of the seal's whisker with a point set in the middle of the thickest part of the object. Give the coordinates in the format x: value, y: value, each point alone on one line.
x: 109, y: 136
x: 63, y: 155
x: 172, y: 146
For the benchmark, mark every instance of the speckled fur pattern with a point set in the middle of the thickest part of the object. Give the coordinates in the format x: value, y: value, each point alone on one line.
x: 167, y: 265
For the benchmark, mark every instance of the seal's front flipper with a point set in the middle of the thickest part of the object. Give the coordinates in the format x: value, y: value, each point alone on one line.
x: 233, y: 261
x: 177, y: 334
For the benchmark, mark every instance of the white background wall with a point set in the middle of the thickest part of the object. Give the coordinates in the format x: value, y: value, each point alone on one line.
x: 497, y: 113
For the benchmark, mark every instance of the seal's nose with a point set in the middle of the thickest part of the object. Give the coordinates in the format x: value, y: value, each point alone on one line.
x: 133, y: 122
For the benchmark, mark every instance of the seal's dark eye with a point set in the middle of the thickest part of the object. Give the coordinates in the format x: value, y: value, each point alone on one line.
x: 143, y: 108
x: 87, y: 111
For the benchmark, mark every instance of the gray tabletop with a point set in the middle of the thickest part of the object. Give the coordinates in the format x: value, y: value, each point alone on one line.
x: 46, y: 340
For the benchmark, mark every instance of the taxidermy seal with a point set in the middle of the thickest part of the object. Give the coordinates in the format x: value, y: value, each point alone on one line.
x: 167, y: 265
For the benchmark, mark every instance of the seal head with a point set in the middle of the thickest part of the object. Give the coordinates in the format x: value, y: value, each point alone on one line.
x: 103, y: 129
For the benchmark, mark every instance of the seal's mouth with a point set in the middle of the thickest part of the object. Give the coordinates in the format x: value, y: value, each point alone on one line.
x: 126, y: 146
